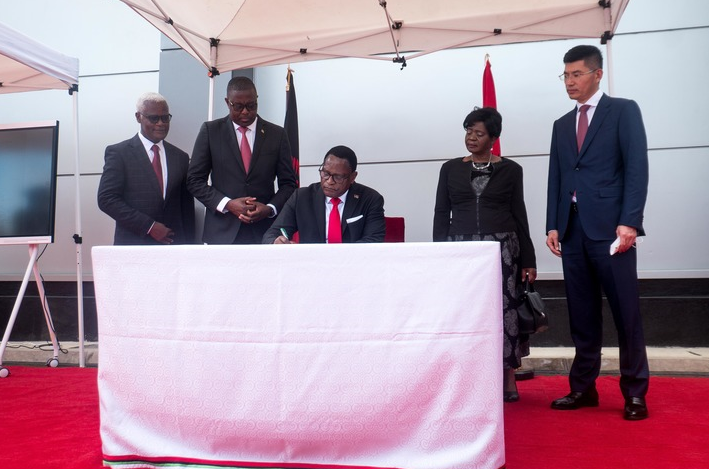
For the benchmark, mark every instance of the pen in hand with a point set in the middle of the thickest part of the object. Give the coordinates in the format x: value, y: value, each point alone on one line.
x: 284, y: 233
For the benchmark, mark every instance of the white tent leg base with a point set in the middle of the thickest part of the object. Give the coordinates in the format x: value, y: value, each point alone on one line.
x: 31, y: 268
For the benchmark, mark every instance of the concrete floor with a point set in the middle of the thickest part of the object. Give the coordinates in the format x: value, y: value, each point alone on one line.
x: 548, y: 360
x: 663, y: 360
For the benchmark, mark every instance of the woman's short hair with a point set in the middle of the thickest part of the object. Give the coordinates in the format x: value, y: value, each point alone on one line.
x: 491, y: 119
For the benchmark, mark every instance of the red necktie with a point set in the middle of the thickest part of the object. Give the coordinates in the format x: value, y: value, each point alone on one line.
x: 157, y: 167
x: 334, y: 228
x: 583, y: 126
x: 244, y: 148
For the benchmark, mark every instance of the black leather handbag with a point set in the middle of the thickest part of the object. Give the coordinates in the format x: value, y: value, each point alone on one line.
x: 532, y: 318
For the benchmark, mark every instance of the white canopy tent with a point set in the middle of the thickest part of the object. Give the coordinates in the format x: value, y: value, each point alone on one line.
x: 27, y: 65
x: 228, y: 35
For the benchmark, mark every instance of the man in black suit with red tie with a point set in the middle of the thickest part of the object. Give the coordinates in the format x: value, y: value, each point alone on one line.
x: 243, y: 154
x: 143, y: 185
x: 334, y: 210
x: 598, y: 180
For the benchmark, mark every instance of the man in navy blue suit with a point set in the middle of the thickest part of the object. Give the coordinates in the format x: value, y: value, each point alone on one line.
x: 596, y: 195
x: 148, y: 209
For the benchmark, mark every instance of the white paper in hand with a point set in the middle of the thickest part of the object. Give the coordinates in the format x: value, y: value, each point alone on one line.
x: 614, y: 246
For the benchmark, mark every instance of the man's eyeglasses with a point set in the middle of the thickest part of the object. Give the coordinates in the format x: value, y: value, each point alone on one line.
x: 155, y: 119
x: 575, y: 76
x: 238, y: 107
x: 338, y: 178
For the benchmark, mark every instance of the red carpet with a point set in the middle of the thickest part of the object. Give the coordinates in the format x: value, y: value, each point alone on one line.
x: 675, y: 436
x: 50, y: 420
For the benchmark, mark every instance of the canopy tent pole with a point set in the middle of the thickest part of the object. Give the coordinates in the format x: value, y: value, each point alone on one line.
x: 609, y: 67
x: 606, y: 39
x: 213, y: 72
x: 392, y: 25
x: 77, y: 236
x: 210, y: 111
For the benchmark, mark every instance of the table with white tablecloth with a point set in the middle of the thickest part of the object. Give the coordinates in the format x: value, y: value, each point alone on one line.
x: 317, y: 356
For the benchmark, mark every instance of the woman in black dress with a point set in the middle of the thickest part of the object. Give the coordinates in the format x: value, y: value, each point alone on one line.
x: 480, y: 197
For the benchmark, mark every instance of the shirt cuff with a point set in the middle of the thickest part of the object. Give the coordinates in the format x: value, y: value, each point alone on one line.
x: 222, y: 205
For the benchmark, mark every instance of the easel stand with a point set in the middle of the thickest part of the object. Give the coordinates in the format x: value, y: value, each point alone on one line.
x: 31, y: 267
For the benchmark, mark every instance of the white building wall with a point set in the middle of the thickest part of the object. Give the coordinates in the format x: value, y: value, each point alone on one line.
x: 403, y: 124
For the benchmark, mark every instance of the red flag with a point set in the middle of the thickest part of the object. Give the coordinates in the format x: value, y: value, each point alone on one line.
x: 489, y: 97
x: 291, y: 124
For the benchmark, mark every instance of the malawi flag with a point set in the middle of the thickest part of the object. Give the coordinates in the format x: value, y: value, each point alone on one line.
x: 489, y: 97
x: 291, y: 124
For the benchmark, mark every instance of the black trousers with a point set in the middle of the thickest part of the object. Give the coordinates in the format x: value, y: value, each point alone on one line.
x: 252, y: 233
x: 590, y: 271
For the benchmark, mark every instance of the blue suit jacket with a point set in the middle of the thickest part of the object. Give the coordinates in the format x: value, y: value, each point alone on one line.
x: 362, y: 217
x: 609, y: 174
x: 130, y: 194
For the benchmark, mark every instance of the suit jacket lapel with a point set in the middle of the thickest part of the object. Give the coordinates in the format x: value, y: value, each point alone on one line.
x: 568, y: 133
x: 598, y: 116
x: 172, y: 168
x: 258, y: 141
x: 229, y: 133
x: 142, y: 163
x: 319, y: 204
x: 351, y: 206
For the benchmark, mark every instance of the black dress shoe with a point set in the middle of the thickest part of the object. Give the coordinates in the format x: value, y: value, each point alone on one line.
x: 510, y: 396
x: 575, y: 400
x: 635, y: 408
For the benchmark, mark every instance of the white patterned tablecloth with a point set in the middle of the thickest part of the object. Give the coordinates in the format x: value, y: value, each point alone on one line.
x: 308, y: 356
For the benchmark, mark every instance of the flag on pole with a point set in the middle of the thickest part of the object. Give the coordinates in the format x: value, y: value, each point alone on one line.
x: 489, y: 97
x: 291, y: 124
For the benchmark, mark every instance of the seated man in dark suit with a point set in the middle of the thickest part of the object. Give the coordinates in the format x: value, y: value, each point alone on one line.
x: 335, y: 210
